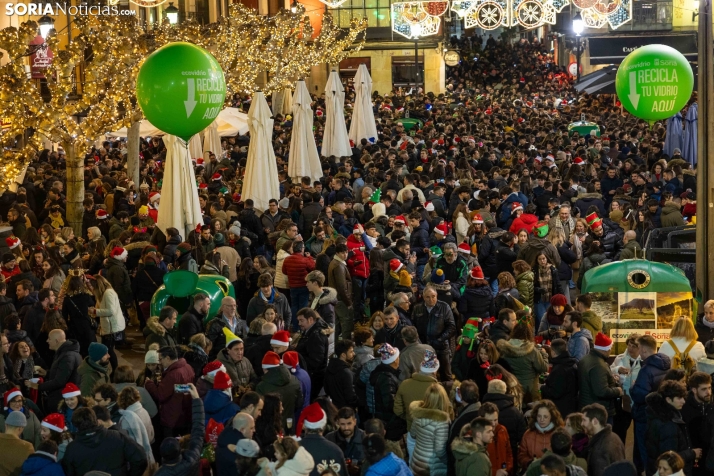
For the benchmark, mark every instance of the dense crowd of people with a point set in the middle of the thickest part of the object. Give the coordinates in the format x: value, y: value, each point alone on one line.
x: 415, y: 311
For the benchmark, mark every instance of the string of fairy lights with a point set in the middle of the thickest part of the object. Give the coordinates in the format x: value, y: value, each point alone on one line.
x: 100, y: 85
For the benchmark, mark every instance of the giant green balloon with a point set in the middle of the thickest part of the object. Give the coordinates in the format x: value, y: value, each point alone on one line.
x: 181, y: 89
x: 654, y: 82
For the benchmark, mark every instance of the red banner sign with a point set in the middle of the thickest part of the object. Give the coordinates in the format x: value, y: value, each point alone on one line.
x: 41, y: 59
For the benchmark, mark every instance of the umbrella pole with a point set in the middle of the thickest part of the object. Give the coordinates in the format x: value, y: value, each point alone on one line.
x: 705, y: 146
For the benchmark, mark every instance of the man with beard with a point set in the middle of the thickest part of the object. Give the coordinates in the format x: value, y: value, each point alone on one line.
x: 605, y: 447
x: 698, y: 415
x: 94, y: 369
x: 339, y: 384
x: 191, y: 322
x: 348, y: 437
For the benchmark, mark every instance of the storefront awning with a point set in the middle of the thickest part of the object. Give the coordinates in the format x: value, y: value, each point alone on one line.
x: 613, y: 49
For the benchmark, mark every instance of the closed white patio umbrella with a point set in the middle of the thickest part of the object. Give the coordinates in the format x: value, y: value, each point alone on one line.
x: 303, y: 160
x: 195, y: 149
x: 179, y: 206
x: 261, y: 173
x: 363, y: 125
x: 212, y: 141
x: 335, y: 141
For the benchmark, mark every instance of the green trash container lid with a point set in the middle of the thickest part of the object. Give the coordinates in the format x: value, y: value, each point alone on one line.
x: 584, y: 128
x: 409, y: 123
x: 180, y: 283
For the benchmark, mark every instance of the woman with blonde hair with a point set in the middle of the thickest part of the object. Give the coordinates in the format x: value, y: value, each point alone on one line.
x: 461, y: 223
x: 544, y: 420
x: 683, y: 341
x: 111, y: 319
x: 431, y: 418
x: 135, y: 420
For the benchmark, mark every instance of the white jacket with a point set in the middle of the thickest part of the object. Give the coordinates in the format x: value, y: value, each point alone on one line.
x: 111, y: 319
x: 281, y: 279
x: 139, y: 410
x: 623, y: 361
x: 682, y: 343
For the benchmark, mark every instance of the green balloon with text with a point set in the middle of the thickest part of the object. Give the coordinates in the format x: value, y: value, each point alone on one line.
x: 654, y: 82
x: 181, y: 89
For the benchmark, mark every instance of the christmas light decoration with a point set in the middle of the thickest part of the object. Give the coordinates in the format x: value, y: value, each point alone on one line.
x: 417, y: 19
x: 492, y: 14
x: 597, y: 13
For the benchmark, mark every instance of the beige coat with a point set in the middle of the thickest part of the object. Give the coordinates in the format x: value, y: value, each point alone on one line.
x: 411, y: 390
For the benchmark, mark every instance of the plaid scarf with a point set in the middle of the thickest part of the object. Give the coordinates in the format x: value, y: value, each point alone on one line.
x: 545, y: 282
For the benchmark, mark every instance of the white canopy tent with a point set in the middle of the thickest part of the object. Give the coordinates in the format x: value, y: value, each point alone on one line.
x: 335, y: 141
x: 363, y: 125
x: 230, y: 122
x: 261, y: 174
x: 303, y: 160
x: 179, y: 207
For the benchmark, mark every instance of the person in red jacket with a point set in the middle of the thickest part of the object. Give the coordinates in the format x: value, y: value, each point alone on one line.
x: 174, y: 407
x: 526, y: 221
x: 499, y: 450
x: 296, y: 267
x: 358, y: 265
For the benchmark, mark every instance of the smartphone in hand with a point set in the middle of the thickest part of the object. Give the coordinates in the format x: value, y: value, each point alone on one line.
x: 182, y: 388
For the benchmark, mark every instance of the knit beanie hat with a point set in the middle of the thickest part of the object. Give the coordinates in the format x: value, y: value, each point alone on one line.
x: 405, y: 279
x: 152, y: 355
x: 97, y: 351
x: 558, y: 300
x: 183, y: 248
x: 437, y: 276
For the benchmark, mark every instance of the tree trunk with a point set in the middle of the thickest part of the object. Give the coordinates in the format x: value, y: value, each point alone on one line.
x: 75, y: 188
x: 132, y: 160
x: 278, y: 98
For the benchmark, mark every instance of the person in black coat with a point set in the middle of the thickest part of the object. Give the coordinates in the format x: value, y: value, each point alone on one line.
x: 508, y: 415
x: 312, y: 346
x: 477, y: 300
x: 176, y: 462
x: 506, y: 252
x: 96, y: 448
x: 705, y: 330
x: 666, y: 430
x: 62, y: 371
x: 339, y: 377
x: 75, y: 310
x: 257, y: 351
x: 191, y: 322
x: 561, y: 385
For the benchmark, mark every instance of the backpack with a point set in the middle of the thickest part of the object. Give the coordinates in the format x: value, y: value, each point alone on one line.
x: 682, y: 360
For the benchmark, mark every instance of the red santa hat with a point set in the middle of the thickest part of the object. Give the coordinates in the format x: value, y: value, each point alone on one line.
x: 222, y: 381
x: 199, y: 161
x: 203, y: 186
x: 400, y: 219
x: 578, y: 160
x: 216, y: 176
x: 477, y: 219
x: 12, y: 242
x: 476, y: 272
x: 313, y: 417
x: 212, y: 368
x: 281, y: 338
x: 428, y: 206
x: 515, y: 206
x: 291, y: 359
x: 538, y: 159
x: 70, y: 390
x: 153, y: 196
x: 602, y: 342
x: 465, y: 248
x: 55, y: 422
x: 101, y: 214
x: 10, y: 394
x: 441, y: 229
x: 119, y: 253
x: 270, y: 360
x: 395, y: 265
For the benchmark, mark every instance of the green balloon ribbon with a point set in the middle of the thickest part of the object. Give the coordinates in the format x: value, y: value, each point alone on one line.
x: 181, y: 89
x: 654, y: 82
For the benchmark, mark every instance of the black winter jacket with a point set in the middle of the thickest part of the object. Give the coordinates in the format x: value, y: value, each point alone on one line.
x: 705, y: 333
x: 666, y: 431
x: 435, y: 328
x: 190, y: 456
x: 567, y: 258
x: 339, y: 384
x: 191, y: 323
x: 100, y: 449
x: 561, y: 386
x: 118, y: 277
x: 313, y: 347
x: 385, y: 381
x: 477, y: 302
x: 62, y: 371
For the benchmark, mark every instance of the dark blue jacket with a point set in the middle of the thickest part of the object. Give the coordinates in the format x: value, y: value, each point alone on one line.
x: 652, y: 372
x: 188, y: 464
x: 419, y: 241
x: 41, y: 464
x: 225, y: 458
x: 506, y: 206
x: 607, y: 184
x: 219, y: 406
